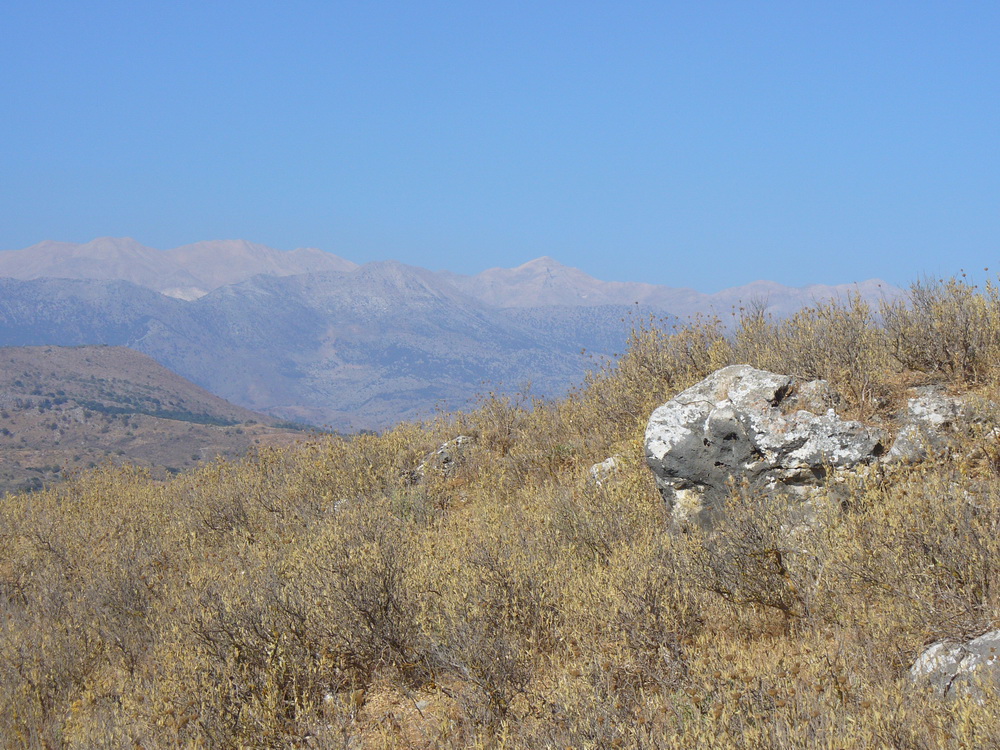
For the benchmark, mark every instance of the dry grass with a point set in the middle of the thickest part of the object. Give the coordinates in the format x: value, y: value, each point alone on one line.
x: 317, y: 596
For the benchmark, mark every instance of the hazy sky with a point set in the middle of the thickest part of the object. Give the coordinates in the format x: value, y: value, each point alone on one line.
x: 702, y: 144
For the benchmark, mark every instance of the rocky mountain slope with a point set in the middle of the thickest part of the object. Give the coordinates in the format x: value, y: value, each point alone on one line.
x: 64, y: 409
x: 350, y: 350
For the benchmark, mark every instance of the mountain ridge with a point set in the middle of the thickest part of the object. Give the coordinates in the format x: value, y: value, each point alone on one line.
x: 186, y: 272
x: 345, y: 345
x: 191, y: 271
x: 546, y: 281
x: 314, y: 348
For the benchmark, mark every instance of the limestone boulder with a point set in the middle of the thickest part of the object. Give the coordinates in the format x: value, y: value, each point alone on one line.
x: 930, y: 416
x: 742, y: 424
x: 950, y: 669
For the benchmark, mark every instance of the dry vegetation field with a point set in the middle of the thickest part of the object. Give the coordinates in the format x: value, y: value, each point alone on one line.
x: 322, y: 596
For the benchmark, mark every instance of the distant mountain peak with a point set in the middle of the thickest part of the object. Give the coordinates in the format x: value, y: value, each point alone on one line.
x: 545, y: 261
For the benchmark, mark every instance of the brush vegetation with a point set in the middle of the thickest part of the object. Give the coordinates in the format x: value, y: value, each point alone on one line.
x: 320, y: 596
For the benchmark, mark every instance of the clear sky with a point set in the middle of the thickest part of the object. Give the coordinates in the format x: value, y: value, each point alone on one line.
x: 703, y: 144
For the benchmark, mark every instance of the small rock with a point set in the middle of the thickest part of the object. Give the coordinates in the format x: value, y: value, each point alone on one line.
x: 601, y: 472
x: 444, y: 459
x: 929, y: 415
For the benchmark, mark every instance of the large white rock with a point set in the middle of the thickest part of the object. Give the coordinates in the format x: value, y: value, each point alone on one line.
x: 951, y: 669
x: 740, y: 424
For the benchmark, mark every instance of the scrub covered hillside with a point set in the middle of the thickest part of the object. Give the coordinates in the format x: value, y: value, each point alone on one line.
x: 378, y: 591
x: 65, y: 409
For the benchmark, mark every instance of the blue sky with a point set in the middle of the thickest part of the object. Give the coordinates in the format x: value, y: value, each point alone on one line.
x: 701, y: 144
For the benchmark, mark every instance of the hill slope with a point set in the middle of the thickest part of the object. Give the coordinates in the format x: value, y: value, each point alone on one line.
x: 504, y: 591
x: 64, y: 409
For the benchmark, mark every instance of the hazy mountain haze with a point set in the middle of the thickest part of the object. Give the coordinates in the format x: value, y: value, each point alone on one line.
x: 187, y: 272
x: 546, y: 281
x: 191, y: 271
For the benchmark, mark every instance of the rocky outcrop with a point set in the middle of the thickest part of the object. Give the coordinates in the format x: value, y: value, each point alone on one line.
x: 599, y: 473
x: 443, y: 459
x: 746, y: 425
x: 929, y: 418
x: 952, y: 669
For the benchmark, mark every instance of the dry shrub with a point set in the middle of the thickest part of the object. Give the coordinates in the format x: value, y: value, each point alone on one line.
x: 353, y: 591
x: 654, y: 613
x: 80, y: 582
x: 499, y: 420
x: 256, y: 670
x: 492, y: 614
x: 837, y: 341
x: 241, y: 498
x: 922, y: 552
x: 658, y: 362
x: 758, y: 553
x: 949, y: 329
x: 594, y: 521
x: 347, y: 468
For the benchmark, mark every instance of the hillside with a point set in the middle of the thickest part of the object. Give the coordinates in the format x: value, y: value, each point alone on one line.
x: 67, y: 409
x: 534, y: 584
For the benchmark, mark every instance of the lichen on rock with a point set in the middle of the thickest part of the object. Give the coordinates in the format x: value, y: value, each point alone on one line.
x: 744, y: 425
x: 951, y: 669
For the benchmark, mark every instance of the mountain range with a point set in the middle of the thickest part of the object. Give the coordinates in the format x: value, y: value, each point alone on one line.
x: 186, y: 272
x: 545, y: 281
x: 308, y: 336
